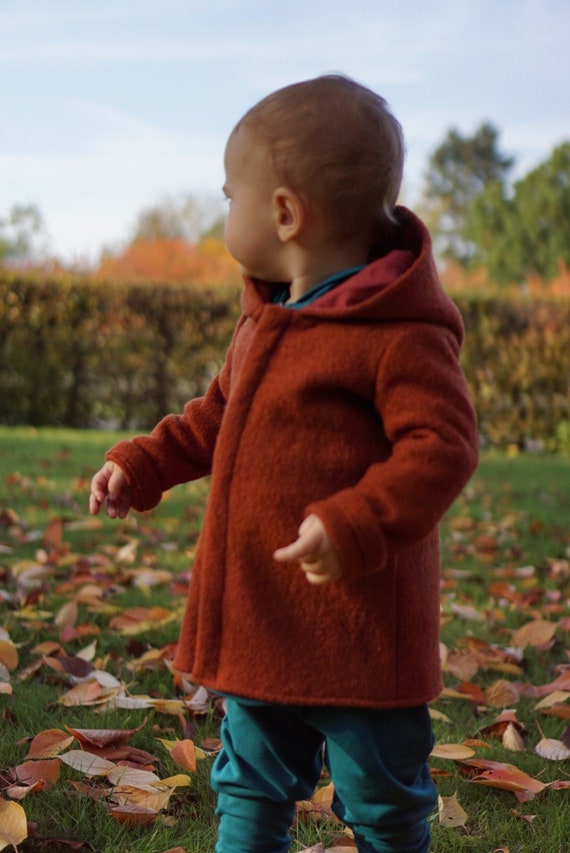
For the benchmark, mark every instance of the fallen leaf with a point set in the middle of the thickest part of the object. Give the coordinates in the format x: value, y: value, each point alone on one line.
x: 184, y: 754
x: 49, y: 743
x: 534, y: 633
x: 513, y: 739
x: 87, y: 763
x: 44, y: 772
x: 103, y: 737
x: 118, y: 774
x: 453, y: 751
x: 134, y: 815
x: 8, y: 655
x: 451, y: 812
x: 496, y: 774
x: 552, y: 749
x: 439, y: 715
x: 129, y: 795
x: 555, y: 698
x: 502, y: 694
x: 13, y: 824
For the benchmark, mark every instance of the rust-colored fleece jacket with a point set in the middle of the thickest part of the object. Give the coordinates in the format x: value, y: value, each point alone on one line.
x: 356, y: 409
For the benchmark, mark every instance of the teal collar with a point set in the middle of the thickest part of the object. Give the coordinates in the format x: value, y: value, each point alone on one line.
x: 282, y: 294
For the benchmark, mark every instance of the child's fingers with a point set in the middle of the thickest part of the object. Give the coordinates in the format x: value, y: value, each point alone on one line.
x: 116, y: 481
x: 94, y: 504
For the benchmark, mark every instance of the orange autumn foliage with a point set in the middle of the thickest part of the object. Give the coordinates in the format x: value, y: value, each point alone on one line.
x: 171, y: 261
x: 458, y: 280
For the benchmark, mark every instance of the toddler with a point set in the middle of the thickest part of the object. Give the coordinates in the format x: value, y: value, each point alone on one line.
x: 337, y: 434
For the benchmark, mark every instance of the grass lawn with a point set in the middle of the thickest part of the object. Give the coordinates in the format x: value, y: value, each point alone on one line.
x: 79, y: 593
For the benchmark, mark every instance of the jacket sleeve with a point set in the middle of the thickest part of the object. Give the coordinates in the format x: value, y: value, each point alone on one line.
x: 427, y: 415
x: 179, y: 449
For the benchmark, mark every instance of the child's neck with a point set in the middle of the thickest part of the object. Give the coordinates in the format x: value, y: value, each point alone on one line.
x: 312, y: 268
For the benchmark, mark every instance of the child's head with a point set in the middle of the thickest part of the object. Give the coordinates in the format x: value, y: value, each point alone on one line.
x: 336, y: 144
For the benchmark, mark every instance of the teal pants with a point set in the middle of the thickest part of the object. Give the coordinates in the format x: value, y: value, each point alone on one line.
x: 273, y: 756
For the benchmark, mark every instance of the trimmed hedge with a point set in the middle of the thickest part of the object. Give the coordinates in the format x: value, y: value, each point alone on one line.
x: 81, y: 354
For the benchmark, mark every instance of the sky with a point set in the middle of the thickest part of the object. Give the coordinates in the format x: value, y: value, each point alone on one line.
x: 110, y: 106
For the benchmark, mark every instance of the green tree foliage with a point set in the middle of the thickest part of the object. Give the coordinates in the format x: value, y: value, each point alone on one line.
x: 20, y: 233
x: 184, y: 217
x: 527, y: 232
x: 458, y: 171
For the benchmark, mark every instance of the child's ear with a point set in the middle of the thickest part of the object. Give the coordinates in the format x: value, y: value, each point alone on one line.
x: 289, y: 214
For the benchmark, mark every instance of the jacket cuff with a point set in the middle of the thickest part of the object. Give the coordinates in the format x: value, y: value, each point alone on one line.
x: 354, y: 532
x: 141, y: 475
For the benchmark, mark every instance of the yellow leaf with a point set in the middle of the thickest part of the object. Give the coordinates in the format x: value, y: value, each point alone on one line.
x: 87, y: 763
x: 555, y: 698
x: 180, y: 780
x: 450, y: 812
x: 8, y: 655
x: 123, y: 775
x: 454, y: 751
x: 501, y: 694
x: 439, y: 715
x: 535, y: 633
x: 67, y: 615
x: 13, y: 824
x: 512, y: 739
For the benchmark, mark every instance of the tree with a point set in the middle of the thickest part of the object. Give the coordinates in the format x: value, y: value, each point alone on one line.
x: 183, y: 217
x: 528, y: 233
x: 458, y: 171
x: 21, y: 234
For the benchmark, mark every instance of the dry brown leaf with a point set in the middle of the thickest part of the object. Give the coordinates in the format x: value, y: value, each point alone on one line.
x: 86, y: 762
x: 555, y: 698
x: 134, y: 815
x: 468, y: 612
x: 49, y: 743
x: 453, y: 751
x: 44, y: 771
x: 88, y: 693
x: 501, y: 694
x: 513, y: 739
x: 8, y: 655
x: 13, y: 824
x: 451, y: 812
x: 100, y: 738
x: 496, y: 774
x: 552, y: 749
x: 463, y: 665
x: 67, y: 615
x: 535, y: 633
x: 439, y: 715
x: 184, y: 754
x: 129, y: 795
x: 119, y: 774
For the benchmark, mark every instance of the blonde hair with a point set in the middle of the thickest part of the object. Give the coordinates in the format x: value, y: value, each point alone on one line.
x: 337, y: 144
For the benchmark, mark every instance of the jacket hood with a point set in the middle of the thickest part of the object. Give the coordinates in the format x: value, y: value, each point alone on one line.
x: 401, y: 286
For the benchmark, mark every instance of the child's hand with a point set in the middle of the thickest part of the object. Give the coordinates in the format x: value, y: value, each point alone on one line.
x: 109, y: 486
x: 314, y: 552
